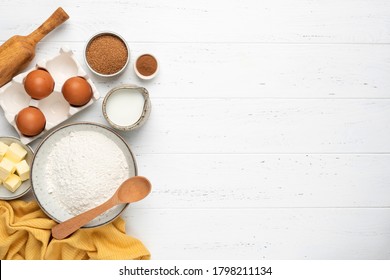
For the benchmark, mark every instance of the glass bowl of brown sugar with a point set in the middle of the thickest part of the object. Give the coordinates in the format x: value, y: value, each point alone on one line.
x: 107, y: 54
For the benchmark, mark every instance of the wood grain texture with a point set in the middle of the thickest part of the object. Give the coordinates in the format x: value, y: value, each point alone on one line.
x: 260, y: 126
x: 325, y: 21
x: 250, y: 70
x: 263, y: 180
x: 262, y: 233
x: 269, y: 136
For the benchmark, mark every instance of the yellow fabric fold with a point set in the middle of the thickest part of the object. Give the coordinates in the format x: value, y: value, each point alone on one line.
x: 25, y: 234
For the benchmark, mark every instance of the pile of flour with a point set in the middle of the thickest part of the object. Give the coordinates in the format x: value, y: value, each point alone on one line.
x: 83, y: 170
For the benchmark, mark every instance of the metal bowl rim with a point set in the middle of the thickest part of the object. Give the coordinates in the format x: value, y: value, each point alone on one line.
x: 101, y: 33
x: 74, y: 124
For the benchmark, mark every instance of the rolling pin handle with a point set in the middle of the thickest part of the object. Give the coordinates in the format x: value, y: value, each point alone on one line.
x: 57, y: 18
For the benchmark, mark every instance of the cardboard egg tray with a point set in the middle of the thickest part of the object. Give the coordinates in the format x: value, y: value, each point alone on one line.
x: 56, y: 109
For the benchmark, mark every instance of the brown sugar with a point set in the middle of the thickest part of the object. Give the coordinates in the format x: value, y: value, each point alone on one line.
x: 107, y: 54
x: 146, y: 65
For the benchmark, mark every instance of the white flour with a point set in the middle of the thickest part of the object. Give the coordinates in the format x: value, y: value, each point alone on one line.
x: 84, y: 169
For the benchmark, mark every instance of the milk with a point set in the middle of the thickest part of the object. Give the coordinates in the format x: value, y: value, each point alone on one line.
x: 125, y: 106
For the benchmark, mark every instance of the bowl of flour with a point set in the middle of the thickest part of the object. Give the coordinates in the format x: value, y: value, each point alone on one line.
x: 78, y: 167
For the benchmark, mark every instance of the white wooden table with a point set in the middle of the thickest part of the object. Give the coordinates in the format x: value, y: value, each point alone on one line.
x: 269, y: 136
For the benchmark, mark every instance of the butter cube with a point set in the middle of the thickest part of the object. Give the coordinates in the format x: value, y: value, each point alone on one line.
x: 3, y: 149
x: 7, y: 167
x: 16, y: 152
x: 23, y: 170
x: 13, y: 182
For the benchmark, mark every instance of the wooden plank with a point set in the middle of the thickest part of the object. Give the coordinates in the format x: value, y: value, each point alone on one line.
x: 264, y: 181
x: 255, y: 70
x: 260, y: 181
x: 262, y: 233
x: 347, y: 21
x: 260, y: 126
x: 256, y: 126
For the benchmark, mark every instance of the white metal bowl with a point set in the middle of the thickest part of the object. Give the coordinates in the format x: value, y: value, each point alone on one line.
x: 39, y: 178
x: 101, y: 34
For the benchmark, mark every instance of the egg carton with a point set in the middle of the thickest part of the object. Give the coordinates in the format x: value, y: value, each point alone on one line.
x: 56, y: 109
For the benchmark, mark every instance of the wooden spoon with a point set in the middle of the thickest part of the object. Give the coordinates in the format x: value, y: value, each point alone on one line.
x: 131, y: 190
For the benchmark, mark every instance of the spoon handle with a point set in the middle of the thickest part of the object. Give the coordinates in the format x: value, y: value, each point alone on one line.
x: 64, y: 229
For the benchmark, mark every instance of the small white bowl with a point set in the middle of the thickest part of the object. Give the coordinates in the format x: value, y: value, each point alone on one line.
x: 101, y: 34
x: 143, y: 77
x: 26, y: 185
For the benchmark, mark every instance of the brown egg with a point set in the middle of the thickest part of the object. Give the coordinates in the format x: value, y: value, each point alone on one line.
x: 39, y: 84
x: 77, y: 91
x: 30, y: 121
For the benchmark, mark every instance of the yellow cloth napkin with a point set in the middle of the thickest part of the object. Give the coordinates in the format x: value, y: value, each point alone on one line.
x: 25, y: 233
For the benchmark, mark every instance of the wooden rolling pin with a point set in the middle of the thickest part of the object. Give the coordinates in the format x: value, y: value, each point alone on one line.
x: 18, y: 51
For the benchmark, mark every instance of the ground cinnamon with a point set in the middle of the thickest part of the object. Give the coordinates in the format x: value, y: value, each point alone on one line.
x: 107, y: 54
x: 146, y: 65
